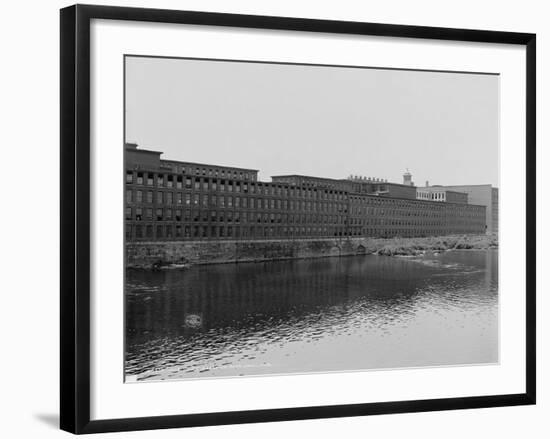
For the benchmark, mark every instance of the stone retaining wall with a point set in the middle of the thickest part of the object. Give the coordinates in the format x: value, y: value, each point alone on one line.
x: 149, y: 254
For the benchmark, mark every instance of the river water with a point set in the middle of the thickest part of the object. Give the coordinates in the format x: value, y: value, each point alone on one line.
x: 315, y: 315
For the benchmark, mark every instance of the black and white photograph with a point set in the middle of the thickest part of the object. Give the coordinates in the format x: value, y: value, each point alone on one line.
x: 275, y: 219
x: 287, y: 218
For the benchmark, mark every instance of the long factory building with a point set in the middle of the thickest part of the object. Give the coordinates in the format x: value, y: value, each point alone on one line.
x: 174, y: 200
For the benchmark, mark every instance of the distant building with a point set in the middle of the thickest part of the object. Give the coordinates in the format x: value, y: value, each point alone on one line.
x: 483, y: 195
x: 438, y: 193
x: 173, y: 200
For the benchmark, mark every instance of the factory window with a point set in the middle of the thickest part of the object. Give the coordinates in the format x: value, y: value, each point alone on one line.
x: 159, y: 214
x: 128, y: 213
x: 128, y: 196
x: 179, y: 198
x: 169, y: 197
x: 139, y: 214
x: 139, y: 232
x: 149, y: 213
x: 197, y: 184
x: 149, y: 196
x: 188, y: 182
x: 187, y: 231
x: 140, y: 178
x: 150, y: 179
x: 159, y: 232
x: 160, y: 180
x: 129, y: 177
x: 170, y: 181
x: 179, y: 182
x: 178, y: 231
x: 178, y: 215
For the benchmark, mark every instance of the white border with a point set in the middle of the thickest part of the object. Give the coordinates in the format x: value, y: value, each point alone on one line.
x: 111, y: 398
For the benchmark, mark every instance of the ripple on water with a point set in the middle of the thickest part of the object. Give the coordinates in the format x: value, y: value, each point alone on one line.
x: 312, y: 315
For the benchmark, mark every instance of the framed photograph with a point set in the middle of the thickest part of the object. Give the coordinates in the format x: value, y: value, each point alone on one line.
x: 274, y: 218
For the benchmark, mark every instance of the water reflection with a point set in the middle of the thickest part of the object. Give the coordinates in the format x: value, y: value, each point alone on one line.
x: 312, y: 315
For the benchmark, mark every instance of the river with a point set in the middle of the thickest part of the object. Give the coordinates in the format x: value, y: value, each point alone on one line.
x: 315, y: 315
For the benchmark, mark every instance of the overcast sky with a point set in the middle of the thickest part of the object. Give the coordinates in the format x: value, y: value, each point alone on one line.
x: 320, y: 121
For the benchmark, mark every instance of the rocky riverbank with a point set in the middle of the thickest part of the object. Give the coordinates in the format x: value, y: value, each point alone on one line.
x: 182, y: 254
x: 417, y: 246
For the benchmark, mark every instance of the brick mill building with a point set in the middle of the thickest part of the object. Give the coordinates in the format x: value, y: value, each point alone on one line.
x: 173, y: 200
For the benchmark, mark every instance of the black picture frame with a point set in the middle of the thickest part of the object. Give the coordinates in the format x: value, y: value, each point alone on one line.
x: 75, y: 216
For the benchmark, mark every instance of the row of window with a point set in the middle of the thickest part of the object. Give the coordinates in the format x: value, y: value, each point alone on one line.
x: 444, y: 218
x: 205, y: 200
x: 157, y: 231
x: 213, y: 185
x: 213, y: 216
x: 160, y: 214
x: 151, y: 231
x: 212, y: 171
x: 166, y: 198
x: 400, y: 203
x: 200, y: 184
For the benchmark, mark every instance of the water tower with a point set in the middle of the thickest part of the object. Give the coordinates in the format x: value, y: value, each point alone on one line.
x: 407, y: 178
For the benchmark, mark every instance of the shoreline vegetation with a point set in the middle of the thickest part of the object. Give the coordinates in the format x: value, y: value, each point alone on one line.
x: 418, y: 246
